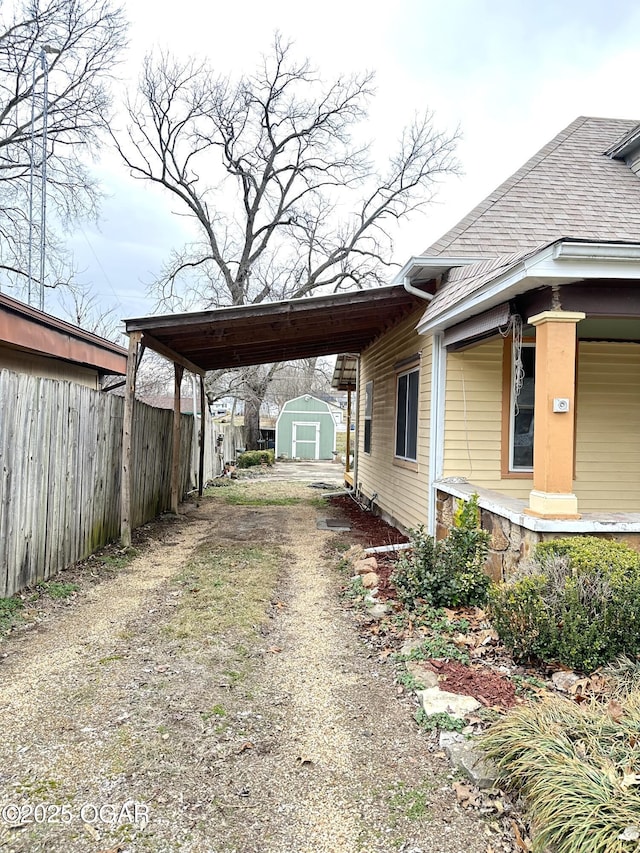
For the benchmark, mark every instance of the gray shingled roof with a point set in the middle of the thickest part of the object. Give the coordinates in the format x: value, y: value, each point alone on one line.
x: 569, y: 189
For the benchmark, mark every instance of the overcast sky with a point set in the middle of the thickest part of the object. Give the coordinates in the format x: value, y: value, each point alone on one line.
x: 510, y: 73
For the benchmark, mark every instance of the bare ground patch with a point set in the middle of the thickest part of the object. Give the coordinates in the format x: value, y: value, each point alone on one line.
x: 217, y: 685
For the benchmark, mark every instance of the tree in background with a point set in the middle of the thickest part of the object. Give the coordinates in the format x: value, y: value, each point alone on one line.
x: 80, y: 41
x: 285, y: 200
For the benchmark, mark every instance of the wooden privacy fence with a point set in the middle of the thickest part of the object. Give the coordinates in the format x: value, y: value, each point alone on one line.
x: 60, y: 469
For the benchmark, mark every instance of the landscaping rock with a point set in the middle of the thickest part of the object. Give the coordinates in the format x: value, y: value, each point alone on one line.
x: 377, y: 611
x: 370, y: 580
x: 564, y: 680
x: 436, y: 701
x: 468, y: 759
x: 363, y: 566
x: 422, y: 674
x: 410, y: 646
x: 354, y: 553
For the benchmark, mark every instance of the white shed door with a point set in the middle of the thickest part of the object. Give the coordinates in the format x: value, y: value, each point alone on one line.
x: 306, y: 440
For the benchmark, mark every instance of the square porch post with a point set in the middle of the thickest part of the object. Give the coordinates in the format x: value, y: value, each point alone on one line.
x: 554, y: 434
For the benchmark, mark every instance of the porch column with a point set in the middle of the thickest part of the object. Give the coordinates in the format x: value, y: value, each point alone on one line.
x: 554, y: 433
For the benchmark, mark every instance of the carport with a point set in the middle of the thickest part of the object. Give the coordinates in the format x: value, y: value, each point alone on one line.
x: 246, y: 335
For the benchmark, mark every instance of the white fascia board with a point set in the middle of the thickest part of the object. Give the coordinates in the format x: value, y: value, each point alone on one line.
x: 560, y: 263
x: 618, y: 252
x: 431, y: 265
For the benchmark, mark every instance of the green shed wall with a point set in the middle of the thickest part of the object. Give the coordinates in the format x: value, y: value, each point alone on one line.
x: 303, y: 410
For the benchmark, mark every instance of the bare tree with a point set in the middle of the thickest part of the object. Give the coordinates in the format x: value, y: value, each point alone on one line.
x: 76, y: 43
x: 295, y: 378
x: 82, y: 306
x: 285, y: 200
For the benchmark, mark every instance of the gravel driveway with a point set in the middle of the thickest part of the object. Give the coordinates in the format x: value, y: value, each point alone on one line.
x: 121, y: 733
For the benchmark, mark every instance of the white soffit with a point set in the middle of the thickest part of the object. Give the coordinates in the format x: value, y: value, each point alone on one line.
x: 564, y: 262
x: 426, y: 267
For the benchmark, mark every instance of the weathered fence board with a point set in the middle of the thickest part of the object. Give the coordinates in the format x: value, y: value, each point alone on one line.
x: 60, y: 459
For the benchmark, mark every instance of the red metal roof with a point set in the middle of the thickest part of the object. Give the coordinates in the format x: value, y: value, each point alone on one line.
x: 30, y: 330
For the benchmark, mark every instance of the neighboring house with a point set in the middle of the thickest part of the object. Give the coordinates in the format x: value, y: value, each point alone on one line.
x: 38, y: 344
x: 531, y: 318
x: 306, y: 429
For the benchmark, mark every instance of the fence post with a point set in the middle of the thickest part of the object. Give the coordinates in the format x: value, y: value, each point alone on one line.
x: 175, y: 459
x: 127, y: 428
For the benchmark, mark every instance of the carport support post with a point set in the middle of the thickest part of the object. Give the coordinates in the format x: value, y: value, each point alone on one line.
x: 178, y: 371
x: 127, y: 429
x: 203, y: 411
x: 347, y: 466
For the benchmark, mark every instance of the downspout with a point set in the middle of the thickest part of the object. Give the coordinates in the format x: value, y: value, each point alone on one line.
x: 356, y: 437
x: 422, y: 294
x: 434, y: 430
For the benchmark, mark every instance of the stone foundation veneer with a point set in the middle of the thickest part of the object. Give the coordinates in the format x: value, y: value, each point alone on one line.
x: 514, y: 534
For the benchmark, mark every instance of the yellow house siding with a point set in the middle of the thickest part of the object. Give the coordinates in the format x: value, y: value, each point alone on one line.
x: 473, y: 419
x: 402, y: 493
x: 608, y: 427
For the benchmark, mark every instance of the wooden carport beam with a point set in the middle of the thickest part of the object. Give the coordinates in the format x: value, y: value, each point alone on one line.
x: 127, y: 428
x: 167, y: 352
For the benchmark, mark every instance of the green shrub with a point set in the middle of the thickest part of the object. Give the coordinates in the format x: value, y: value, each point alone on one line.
x: 251, y: 458
x: 9, y: 608
x: 590, y: 553
x: 447, y: 573
x: 577, y: 603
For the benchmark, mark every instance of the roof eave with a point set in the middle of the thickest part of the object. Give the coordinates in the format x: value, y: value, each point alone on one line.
x: 562, y: 262
x: 625, y: 146
x: 427, y: 267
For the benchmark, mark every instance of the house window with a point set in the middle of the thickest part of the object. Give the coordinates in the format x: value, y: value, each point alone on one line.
x: 521, y: 411
x: 407, y: 415
x: 368, y: 412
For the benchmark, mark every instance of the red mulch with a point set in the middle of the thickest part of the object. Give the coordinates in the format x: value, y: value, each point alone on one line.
x: 366, y: 527
x: 488, y: 687
x: 386, y: 565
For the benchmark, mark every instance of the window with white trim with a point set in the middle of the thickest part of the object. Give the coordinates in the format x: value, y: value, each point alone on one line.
x: 407, y: 391
x: 368, y: 413
x: 522, y: 408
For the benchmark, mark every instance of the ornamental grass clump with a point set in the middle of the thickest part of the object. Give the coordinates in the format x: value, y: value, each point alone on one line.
x: 577, y: 768
x: 576, y: 603
x: 448, y: 573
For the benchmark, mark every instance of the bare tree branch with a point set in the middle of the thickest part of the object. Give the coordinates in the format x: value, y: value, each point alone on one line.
x: 80, y: 41
x: 285, y: 199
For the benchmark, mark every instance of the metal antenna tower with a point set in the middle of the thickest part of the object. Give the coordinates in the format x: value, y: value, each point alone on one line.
x: 38, y: 152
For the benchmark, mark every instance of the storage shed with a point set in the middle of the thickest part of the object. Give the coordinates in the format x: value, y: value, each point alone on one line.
x: 306, y: 429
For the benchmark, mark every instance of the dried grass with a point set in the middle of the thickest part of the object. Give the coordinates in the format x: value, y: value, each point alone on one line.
x: 575, y: 766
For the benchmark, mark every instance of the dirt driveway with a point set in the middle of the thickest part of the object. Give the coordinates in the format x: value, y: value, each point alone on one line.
x: 213, y: 697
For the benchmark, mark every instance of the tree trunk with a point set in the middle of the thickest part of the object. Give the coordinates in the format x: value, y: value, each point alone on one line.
x: 252, y: 422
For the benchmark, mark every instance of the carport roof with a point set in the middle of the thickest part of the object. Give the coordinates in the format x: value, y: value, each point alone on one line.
x: 276, y: 331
